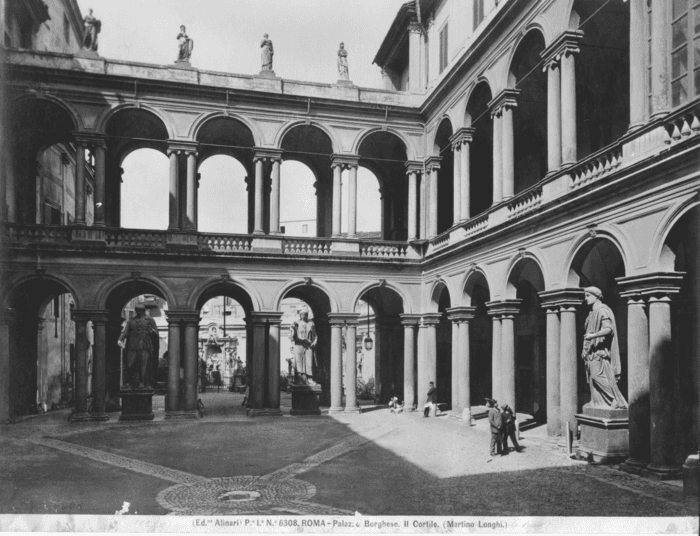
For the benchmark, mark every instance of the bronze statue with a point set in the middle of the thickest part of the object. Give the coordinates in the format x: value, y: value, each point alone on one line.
x: 266, y: 54
x: 601, y: 353
x: 92, y: 29
x: 303, y: 337
x: 137, y: 339
x: 185, y: 46
x: 343, y: 73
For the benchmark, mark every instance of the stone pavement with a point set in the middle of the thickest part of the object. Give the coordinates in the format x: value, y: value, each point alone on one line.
x: 376, y: 463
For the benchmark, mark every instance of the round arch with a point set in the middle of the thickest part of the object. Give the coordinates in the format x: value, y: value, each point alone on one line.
x: 482, y: 83
x: 440, y: 133
x: 405, y: 297
x: 218, y: 286
x: 362, y: 136
x: 202, y: 120
x: 14, y: 283
x: 659, y: 261
x: 514, y: 269
x: 286, y: 129
x: 469, y: 281
x: 106, y: 290
x: 566, y: 277
x: 65, y: 106
x: 436, y: 290
x: 508, y: 78
x: 104, y: 119
x: 291, y: 285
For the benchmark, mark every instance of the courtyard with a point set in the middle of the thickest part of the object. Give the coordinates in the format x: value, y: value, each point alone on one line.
x: 373, y: 463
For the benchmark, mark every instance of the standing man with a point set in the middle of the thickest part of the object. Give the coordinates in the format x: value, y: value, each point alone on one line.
x: 431, y: 403
x: 496, y: 423
x: 509, y: 430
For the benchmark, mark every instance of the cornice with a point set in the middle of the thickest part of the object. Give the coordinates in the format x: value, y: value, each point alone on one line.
x: 565, y: 297
x: 504, y: 308
x: 433, y: 163
x: 266, y: 317
x: 339, y: 319
x: 414, y: 166
x: 462, y: 136
x: 267, y: 154
x: 182, y: 147
x: 566, y: 44
x: 345, y: 161
x: 657, y: 284
x: 505, y: 100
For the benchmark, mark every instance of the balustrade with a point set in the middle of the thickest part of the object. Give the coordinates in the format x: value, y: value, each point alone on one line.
x: 224, y: 242
x: 596, y: 166
x: 135, y: 238
x: 527, y: 201
x: 683, y: 125
x: 307, y: 246
x: 395, y: 250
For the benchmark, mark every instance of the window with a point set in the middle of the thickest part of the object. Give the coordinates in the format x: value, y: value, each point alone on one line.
x: 66, y: 30
x: 443, y: 47
x: 685, y: 50
x: 478, y: 12
x: 283, y: 229
x: 305, y: 228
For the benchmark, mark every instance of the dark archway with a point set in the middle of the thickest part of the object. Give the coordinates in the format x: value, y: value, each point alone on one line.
x: 477, y: 295
x: 443, y: 376
x: 442, y: 148
x: 481, y: 149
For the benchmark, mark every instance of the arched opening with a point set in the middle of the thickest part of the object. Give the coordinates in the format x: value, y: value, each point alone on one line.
x: 319, y: 306
x: 477, y: 295
x: 145, y: 190
x: 598, y: 263
x: 480, y: 149
x: 379, y: 310
x: 298, y: 183
x: 128, y: 131
x: 382, y: 188
x: 530, y: 114
x: 42, y: 356
x: 313, y: 147
x: 524, y: 283
x: 602, y: 74
x: 441, y: 302
x: 445, y: 208
x: 681, y: 255
x: 222, y: 205
x: 41, y: 150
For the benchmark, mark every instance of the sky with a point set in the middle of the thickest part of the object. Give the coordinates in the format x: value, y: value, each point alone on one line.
x: 227, y: 35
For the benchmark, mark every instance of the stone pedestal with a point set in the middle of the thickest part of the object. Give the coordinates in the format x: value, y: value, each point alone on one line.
x: 137, y: 405
x: 305, y: 399
x: 604, y: 435
x: 267, y: 74
x: 181, y: 64
x: 691, y: 475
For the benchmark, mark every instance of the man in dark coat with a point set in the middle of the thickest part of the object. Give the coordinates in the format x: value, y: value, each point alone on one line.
x: 137, y: 340
x: 432, y: 400
x: 496, y: 424
x: 509, y: 429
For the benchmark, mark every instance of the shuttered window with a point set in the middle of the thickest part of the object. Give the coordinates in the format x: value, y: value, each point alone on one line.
x: 443, y: 47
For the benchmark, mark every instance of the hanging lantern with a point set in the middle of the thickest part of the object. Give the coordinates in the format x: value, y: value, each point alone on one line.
x: 369, y: 343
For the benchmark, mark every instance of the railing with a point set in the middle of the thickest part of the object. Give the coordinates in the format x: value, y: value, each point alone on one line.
x: 43, y: 234
x: 395, y: 250
x: 306, y: 246
x: 224, y: 243
x: 476, y: 225
x: 440, y: 241
x: 525, y: 202
x: 683, y: 125
x: 135, y: 238
x: 596, y: 166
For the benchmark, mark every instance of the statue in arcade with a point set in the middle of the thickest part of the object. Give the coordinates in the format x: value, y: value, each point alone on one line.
x: 92, y: 28
x: 343, y: 73
x: 303, y: 337
x: 601, y: 353
x: 137, y: 340
x: 266, y: 54
x: 185, y: 46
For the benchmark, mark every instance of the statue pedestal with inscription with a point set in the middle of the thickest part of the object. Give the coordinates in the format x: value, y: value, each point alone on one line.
x: 604, y: 435
x: 305, y: 399
x: 137, y: 404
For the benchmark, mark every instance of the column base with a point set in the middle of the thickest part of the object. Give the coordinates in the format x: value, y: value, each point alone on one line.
x: 264, y: 412
x: 658, y: 472
x: 181, y: 415
x: 99, y: 417
x: 691, y: 475
x: 79, y: 417
x: 350, y: 409
x: 633, y: 466
x: 335, y: 410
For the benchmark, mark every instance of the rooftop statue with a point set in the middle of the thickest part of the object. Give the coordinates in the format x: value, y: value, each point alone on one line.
x: 185, y: 46
x: 343, y: 73
x: 266, y: 54
x: 92, y: 29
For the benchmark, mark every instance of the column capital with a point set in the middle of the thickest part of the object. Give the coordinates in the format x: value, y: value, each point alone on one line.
x: 414, y: 27
x: 266, y: 317
x: 182, y: 316
x: 654, y: 285
x: 414, y: 166
x: 504, y: 308
x: 80, y: 315
x: 566, y: 297
x: 461, y: 314
x: 408, y: 319
x: 340, y: 319
x: 90, y: 139
x: 100, y: 316
x: 463, y: 136
x: 565, y: 45
x: 430, y: 319
x: 270, y: 154
x: 182, y: 147
x: 433, y: 163
x: 345, y: 161
x: 505, y: 100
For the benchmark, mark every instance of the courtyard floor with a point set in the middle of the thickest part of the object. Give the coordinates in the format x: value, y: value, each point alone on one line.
x: 374, y: 463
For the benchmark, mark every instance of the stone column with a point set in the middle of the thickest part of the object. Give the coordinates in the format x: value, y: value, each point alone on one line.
x: 259, y: 183
x: 553, y: 376
x: 81, y: 319
x: 275, y: 197
x: 465, y: 202
x: 409, y: 322
x: 456, y: 184
x: 506, y: 310
x: 413, y: 169
x: 569, y: 149
x: 414, y: 54
x: 660, y: 29
x: 427, y: 363
x: 497, y: 155
x: 351, y: 405
x: 191, y: 363
x: 99, y: 365
x: 663, y: 464
x: 100, y: 200
x: 461, y: 386
x: 637, y: 375
x: 190, y: 215
x: 272, y: 398
x: 6, y: 325
x: 259, y: 364
x: 553, y: 119
x: 495, y: 353
x: 570, y: 299
x: 638, y: 69
x: 337, y: 199
x: 337, y: 323
x: 456, y: 355
x: 508, y: 158
x: 79, y: 183
x: 352, y: 202
x: 423, y: 227
x: 433, y: 166
x: 172, y: 407
x: 174, y: 210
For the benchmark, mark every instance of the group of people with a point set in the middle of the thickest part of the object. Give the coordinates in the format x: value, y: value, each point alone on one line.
x: 502, y: 423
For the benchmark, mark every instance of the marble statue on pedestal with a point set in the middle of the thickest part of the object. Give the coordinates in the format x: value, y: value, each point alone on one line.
x: 185, y: 46
x: 92, y: 29
x: 266, y: 54
x: 137, y: 340
x: 343, y: 73
x: 601, y: 353
x: 303, y: 337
